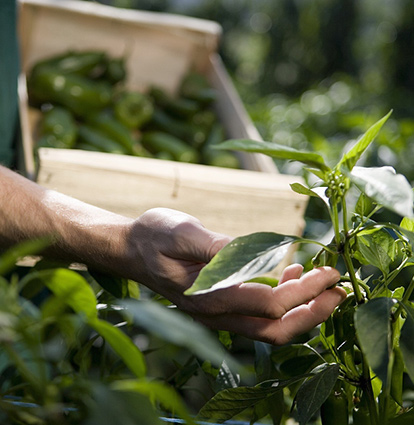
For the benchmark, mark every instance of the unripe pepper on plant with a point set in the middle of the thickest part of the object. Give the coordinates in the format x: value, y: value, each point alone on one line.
x: 334, y: 411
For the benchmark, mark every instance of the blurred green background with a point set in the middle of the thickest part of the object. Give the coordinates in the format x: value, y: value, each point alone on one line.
x: 315, y: 74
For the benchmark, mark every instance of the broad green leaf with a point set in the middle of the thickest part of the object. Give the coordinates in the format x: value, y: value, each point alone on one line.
x: 407, y: 223
x: 276, y: 151
x: 263, y: 364
x: 242, y: 259
x: 318, y: 173
x: 354, y: 154
x: 303, y: 190
x: 72, y: 289
x: 407, y: 340
x: 385, y: 187
x: 230, y: 402
x: 373, y: 328
x: 314, y: 391
x: 177, y: 328
x: 156, y: 391
x: 9, y: 258
x: 376, y: 248
x: 274, y: 406
x: 299, y: 365
x: 364, y: 205
x: 122, y: 345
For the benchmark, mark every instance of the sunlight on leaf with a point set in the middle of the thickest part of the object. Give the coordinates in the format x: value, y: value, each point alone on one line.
x: 242, y: 259
x: 316, y: 192
x: 407, y: 223
x: 353, y: 155
x: 384, y: 186
x: 122, y: 345
x: 156, y: 391
x: 276, y: 151
x: 72, y: 289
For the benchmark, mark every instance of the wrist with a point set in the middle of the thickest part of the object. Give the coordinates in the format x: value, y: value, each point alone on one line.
x: 87, y: 234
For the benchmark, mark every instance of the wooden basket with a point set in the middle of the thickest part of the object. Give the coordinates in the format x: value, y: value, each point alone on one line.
x: 160, y: 49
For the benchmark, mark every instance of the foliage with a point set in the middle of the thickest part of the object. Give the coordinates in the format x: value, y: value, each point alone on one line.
x: 69, y: 349
x: 364, y: 352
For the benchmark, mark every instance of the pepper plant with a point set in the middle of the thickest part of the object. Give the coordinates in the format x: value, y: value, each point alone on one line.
x: 356, y: 369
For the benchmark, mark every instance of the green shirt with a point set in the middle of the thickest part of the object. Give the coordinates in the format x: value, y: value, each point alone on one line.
x: 9, y: 68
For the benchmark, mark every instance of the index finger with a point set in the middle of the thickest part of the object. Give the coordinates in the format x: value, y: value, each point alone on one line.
x: 259, y: 300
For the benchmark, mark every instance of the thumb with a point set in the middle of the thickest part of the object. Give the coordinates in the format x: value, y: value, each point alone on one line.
x: 203, y: 244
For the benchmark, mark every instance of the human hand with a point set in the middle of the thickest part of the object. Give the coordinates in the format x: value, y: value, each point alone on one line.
x: 168, y: 248
x: 272, y: 315
x: 176, y: 246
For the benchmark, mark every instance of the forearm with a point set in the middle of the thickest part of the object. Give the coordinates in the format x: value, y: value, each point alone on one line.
x: 81, y: 232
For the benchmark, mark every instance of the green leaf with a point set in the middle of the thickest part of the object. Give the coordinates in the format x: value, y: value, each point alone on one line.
x: 116, y: 286
x: 407, y: 223
x: 318, y: 173
x: 314, y: 391
x: 265, y: 280
x: 385, y: 187
x: 373, y: 328
x: 364, y: 205
x: 354, y: 154
x: 303, y: 190
x: 407, y: 341
x: 243, y: 259
x: 232, y: 401
x: 376, y: 248
x: 72, y: 289
x: 276, y: 151
x: 122, y: 345
x: 274, y: 406
x: 108, y: 407
x: 317, y: 192
x: 177, y: 328
x: 156, y: 391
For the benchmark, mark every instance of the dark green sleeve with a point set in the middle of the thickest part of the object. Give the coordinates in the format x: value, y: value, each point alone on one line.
x: 9, y: 66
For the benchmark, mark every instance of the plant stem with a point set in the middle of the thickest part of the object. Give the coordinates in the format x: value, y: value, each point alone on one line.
x: 367, y: 388
x: 354, y: 280
x: 406, y: 297
x: 345, y: 215
x: 335, y: 221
